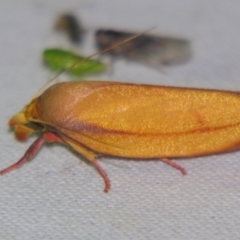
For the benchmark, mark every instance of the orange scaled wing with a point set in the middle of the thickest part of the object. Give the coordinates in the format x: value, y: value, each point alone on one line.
x: 143, y: 121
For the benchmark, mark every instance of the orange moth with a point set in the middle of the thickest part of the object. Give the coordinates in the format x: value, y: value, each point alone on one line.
x: 130, y: 121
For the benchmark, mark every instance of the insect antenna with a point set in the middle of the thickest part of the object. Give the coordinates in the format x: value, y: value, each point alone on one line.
x: 92, y: 55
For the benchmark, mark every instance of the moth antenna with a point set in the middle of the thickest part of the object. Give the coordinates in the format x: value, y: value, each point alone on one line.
x: 92, y: 55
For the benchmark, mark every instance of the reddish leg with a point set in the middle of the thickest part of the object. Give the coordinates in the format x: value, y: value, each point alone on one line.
x: 103, y: 174
x: 173, y: 164
x: 33, y: 149
x: 107, y: 181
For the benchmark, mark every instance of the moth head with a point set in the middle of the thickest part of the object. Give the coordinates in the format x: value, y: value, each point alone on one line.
x: 21, y: 122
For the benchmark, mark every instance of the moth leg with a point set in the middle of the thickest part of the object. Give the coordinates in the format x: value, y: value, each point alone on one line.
x: 33, y: 149
x: 91, y: 156
x: 103, y: 174
x: 173, y: 164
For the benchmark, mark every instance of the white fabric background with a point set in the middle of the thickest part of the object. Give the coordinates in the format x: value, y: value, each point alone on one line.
x: 59, y: 196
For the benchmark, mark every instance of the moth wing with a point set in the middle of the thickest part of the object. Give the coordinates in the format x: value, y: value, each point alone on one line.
x: 148, y: 121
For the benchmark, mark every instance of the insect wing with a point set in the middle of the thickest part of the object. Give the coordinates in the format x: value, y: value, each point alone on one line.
x: 144, y: 121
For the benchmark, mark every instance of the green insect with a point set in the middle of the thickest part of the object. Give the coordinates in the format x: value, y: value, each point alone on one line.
x: 60, y: 60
